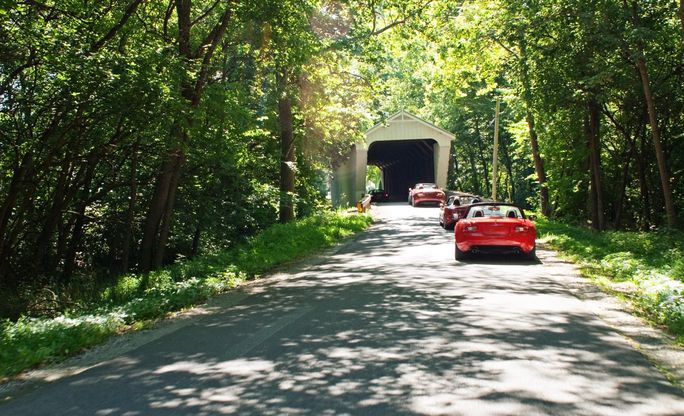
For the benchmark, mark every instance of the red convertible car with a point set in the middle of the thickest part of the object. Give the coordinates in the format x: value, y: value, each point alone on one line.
x: 425, y: 193
x: 495, y: 227
x: 455, y: 208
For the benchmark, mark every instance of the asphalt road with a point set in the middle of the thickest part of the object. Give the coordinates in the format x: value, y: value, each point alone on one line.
x: 389, y: 324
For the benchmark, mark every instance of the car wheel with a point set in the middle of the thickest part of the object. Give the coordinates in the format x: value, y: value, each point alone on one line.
x: 460, y: 255
x: 532, y: 255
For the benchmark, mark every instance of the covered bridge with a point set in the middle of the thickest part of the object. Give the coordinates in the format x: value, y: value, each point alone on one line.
x: 405, y: 148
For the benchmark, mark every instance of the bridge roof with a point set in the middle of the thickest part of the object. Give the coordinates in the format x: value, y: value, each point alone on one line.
x: 406, y: 126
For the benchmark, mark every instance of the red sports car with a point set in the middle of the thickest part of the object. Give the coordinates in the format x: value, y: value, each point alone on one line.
x: 495, y: 227
x: 455, y: 208
x: 425, y: 193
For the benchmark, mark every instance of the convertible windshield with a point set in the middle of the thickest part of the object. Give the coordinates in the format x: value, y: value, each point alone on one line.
x: 426, y: 185
x: 495, y: 211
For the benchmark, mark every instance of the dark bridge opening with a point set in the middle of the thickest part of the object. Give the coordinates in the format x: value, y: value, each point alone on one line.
x: 403, y: 164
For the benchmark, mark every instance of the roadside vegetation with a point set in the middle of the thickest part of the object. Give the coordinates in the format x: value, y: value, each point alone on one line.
x: 137, y: 300
x: 647, y: 268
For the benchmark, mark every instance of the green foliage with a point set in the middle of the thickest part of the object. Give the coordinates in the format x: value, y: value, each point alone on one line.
x: 649, y: 263
x: 134, y: 299
x: 285, y: 242
x: 32, y: 341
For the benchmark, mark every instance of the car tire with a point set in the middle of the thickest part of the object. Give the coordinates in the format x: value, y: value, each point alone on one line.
x: 460, y: 255
x: 532, y: 255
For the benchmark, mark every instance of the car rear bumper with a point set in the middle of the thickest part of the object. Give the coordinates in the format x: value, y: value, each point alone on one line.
x: 499, y: 246
x: 427, y: 200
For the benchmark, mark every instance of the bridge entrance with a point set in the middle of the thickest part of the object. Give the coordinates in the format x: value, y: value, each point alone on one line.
x: 403, y: 163
x: 407, y: 150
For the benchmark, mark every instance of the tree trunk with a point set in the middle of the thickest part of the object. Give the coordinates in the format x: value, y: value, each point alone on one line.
x: 657, y: 143
x: 196, y: 240
x: 538, y: 165
x: 13, y: 193
x: 167, y: 216
x: 130, y: 217
x: 158, y: 221
x: 531, y: 126
x: 157, y: 205
x: 77, y: 233
x: 681, y: 17
x: 653, y: 121
x: 7, y: 208
x: 43, y: 242
x: 644, y: 188
x: 629, y: 154
x: 593, y: 136
x: 624, y: 178
x: 287, y: 173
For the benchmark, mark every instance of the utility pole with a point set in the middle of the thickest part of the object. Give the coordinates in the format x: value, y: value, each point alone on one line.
x: 496, y: 149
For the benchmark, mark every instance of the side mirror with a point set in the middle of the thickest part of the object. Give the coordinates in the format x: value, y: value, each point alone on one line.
x: 532, y: 217
x: 441, y: 204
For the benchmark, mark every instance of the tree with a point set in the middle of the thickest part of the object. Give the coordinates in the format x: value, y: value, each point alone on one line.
x: 195, y: 59
x: 640, y: 60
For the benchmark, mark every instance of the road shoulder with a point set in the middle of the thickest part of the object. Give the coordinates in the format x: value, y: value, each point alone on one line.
x: 655, y: 344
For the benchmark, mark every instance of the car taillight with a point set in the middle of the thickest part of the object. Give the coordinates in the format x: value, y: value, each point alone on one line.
x: 470, y: 228
x: 520, y: 229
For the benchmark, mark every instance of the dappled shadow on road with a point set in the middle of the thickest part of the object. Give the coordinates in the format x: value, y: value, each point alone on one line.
x: 384, y: 333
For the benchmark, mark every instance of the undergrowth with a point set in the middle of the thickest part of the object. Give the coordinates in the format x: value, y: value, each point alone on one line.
x: 138, y: 298
x: 645, y: 267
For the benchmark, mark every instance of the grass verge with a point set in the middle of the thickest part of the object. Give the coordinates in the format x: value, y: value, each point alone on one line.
x: 647, y: 268
x: 135, y: 300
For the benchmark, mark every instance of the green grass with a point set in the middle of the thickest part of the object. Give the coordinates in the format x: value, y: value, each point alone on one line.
x: 647, y: 268
x: 136, y: 300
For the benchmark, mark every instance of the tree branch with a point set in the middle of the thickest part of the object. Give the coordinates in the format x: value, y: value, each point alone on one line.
x: 507, y: 48
x: 408, y: 17
x: 210, y: 45
x: 130, y: 10
x: 32, y: 61
x: 205, y: 14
